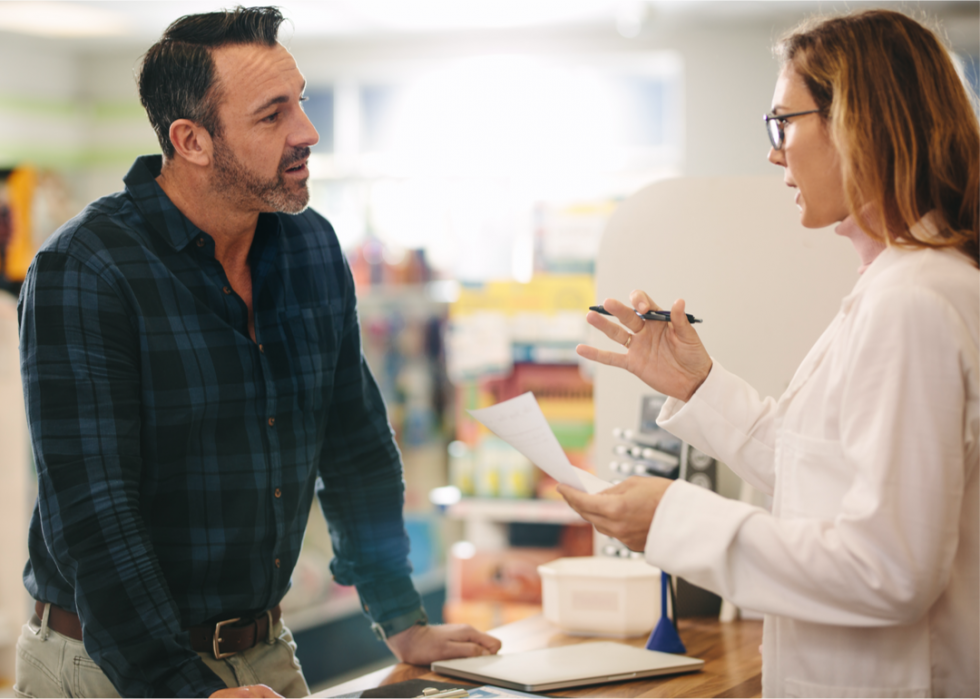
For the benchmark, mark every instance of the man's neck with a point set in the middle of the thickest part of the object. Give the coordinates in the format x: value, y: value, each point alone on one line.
x: 232, y: 228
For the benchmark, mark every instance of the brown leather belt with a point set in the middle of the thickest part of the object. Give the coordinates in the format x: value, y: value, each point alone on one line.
x: 222, y: 640
x: 61, y: 620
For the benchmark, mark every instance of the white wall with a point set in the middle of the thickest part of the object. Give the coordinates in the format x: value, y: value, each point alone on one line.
x: 734, y: 250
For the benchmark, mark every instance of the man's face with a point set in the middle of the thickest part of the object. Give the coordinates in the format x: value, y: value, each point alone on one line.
x: 260, y: 158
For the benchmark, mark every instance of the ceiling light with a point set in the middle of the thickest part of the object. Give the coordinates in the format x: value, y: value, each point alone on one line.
x: 60, y: 19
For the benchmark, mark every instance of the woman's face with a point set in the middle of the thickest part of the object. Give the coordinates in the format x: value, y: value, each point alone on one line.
x: 809, y: 156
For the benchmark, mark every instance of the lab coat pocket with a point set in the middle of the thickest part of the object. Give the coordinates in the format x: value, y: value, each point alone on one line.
x: 814, y: 474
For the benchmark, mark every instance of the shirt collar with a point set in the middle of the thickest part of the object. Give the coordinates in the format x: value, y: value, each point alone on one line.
x: 167, y: 220
x: 924, y: 229
x: 161, y: 215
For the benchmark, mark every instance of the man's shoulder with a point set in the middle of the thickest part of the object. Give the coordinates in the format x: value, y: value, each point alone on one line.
x: 107, y: 223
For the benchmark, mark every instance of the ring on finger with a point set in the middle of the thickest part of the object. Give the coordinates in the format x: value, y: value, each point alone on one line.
x: 629, y: 339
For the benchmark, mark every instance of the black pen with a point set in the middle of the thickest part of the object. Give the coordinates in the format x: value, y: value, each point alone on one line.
x: 649, y: 315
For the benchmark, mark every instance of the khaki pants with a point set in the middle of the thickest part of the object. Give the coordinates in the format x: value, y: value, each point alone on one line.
x: 52, y: 665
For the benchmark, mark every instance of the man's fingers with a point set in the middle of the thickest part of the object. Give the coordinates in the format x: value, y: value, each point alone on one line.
x: 466, y: 633
x: 459, y: 649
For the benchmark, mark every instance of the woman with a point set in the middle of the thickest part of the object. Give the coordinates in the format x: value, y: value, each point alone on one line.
x: 867, y: 569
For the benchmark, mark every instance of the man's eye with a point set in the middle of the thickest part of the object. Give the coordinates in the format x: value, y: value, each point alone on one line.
x: 272, y: 117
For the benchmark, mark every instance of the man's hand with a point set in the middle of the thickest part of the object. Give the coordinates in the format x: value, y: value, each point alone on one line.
x: 624, y: 511
x: 668, y: 357
x: 252, y: 690
x: 422, y: 645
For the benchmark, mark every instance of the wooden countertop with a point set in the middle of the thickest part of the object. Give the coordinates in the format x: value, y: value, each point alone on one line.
x: 732, y: 662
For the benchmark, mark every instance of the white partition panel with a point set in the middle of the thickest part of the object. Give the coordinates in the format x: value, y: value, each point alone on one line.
x: 734, y: 249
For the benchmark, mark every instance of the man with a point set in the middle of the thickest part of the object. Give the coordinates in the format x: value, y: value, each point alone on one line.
x: 193, y: 372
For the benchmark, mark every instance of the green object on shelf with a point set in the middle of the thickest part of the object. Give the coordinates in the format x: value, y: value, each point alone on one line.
x: 572, y: 435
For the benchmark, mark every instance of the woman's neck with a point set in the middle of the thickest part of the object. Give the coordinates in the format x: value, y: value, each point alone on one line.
x: 867, y: 247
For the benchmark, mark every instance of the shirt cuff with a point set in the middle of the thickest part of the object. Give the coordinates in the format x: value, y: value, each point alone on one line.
x: 393, y: 605
x: 387, y: 629
x: 673, y: 406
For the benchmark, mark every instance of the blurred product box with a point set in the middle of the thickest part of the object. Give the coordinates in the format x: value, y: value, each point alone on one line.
x: 486, y: 615
x: 601, y: 596
x: 508, y: 575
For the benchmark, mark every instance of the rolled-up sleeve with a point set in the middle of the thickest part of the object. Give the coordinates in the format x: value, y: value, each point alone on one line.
x: 363, y: 490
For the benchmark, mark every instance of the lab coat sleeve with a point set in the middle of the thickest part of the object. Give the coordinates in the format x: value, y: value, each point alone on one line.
x: 886, y: 555
x: 727, y: 420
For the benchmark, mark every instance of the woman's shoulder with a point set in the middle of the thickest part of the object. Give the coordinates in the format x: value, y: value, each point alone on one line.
x: 943, y: 280
x: 944, y: 270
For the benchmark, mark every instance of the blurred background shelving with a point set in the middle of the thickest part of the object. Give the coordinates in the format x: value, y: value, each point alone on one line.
x: 470, y: 157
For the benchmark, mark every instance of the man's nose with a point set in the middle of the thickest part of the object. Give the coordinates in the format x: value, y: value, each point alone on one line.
x: 305, y: 133
x: 776, y: 157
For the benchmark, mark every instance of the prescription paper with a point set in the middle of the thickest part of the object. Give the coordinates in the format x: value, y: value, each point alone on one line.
x: 520, y: 422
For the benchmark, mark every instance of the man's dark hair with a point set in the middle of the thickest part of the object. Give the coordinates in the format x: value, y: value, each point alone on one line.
x: 176, y: 76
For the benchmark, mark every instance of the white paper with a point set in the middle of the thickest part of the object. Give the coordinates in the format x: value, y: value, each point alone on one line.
x: 520, y: 422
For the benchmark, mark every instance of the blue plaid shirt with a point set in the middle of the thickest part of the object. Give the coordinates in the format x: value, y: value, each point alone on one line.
x: 177, y: 459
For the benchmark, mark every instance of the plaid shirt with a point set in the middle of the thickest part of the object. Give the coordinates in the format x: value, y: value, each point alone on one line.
x: 177, y: 460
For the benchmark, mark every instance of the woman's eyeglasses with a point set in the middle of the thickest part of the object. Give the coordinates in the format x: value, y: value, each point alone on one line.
x: 775, y: 124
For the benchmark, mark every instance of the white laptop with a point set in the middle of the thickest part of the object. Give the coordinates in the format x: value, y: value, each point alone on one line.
x: 567, y: 666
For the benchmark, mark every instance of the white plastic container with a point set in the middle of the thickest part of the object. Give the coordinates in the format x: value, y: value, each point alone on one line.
x: 601, y: 596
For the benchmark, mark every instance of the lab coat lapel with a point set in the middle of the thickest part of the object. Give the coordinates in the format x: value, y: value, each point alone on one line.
x: 819, y: 350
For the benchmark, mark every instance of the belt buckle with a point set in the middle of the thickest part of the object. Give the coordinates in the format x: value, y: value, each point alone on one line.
x: 216, y: 641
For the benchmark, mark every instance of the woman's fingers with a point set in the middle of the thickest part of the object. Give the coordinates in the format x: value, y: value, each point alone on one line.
x: 613, y: 330
x: 678, y: 318
x: 602, y: 356
x: 625, y: 315
x: 642, y: 302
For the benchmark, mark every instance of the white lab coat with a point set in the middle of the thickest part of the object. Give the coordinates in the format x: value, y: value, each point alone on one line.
x: 867, y: 570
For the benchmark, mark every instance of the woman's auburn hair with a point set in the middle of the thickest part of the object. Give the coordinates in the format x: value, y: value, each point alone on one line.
x: 902, y: 120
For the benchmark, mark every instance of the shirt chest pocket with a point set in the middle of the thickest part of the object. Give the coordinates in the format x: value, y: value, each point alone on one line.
x: 311, y: 342
x: 812, y: 477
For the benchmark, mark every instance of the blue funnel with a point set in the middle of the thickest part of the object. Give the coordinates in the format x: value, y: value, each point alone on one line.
x: 664, y: 637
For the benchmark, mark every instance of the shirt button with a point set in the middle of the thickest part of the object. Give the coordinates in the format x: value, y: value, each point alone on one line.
x: 278, y: 493
x: 227, y: 290
x: 200, y: 242
x: 272, y: 421
x: 277, y: 563
x: 261, y: 349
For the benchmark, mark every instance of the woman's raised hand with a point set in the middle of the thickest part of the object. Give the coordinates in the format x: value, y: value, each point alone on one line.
x: 668, y: 357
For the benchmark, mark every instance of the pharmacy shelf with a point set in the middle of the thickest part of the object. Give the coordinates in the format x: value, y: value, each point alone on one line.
x: 414, y: 299
x: 503, y: 510
x: 349, y: 605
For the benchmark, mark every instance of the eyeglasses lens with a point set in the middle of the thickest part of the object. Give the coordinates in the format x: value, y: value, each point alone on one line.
x: 775, y: 128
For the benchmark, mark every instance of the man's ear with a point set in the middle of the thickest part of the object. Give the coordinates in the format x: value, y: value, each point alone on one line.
x: 192, y: 142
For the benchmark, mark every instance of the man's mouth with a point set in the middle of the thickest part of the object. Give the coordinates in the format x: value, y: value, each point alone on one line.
x: 297, y: 168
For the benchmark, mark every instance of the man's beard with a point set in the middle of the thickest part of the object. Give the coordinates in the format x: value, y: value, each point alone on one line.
x: 233, y: 180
